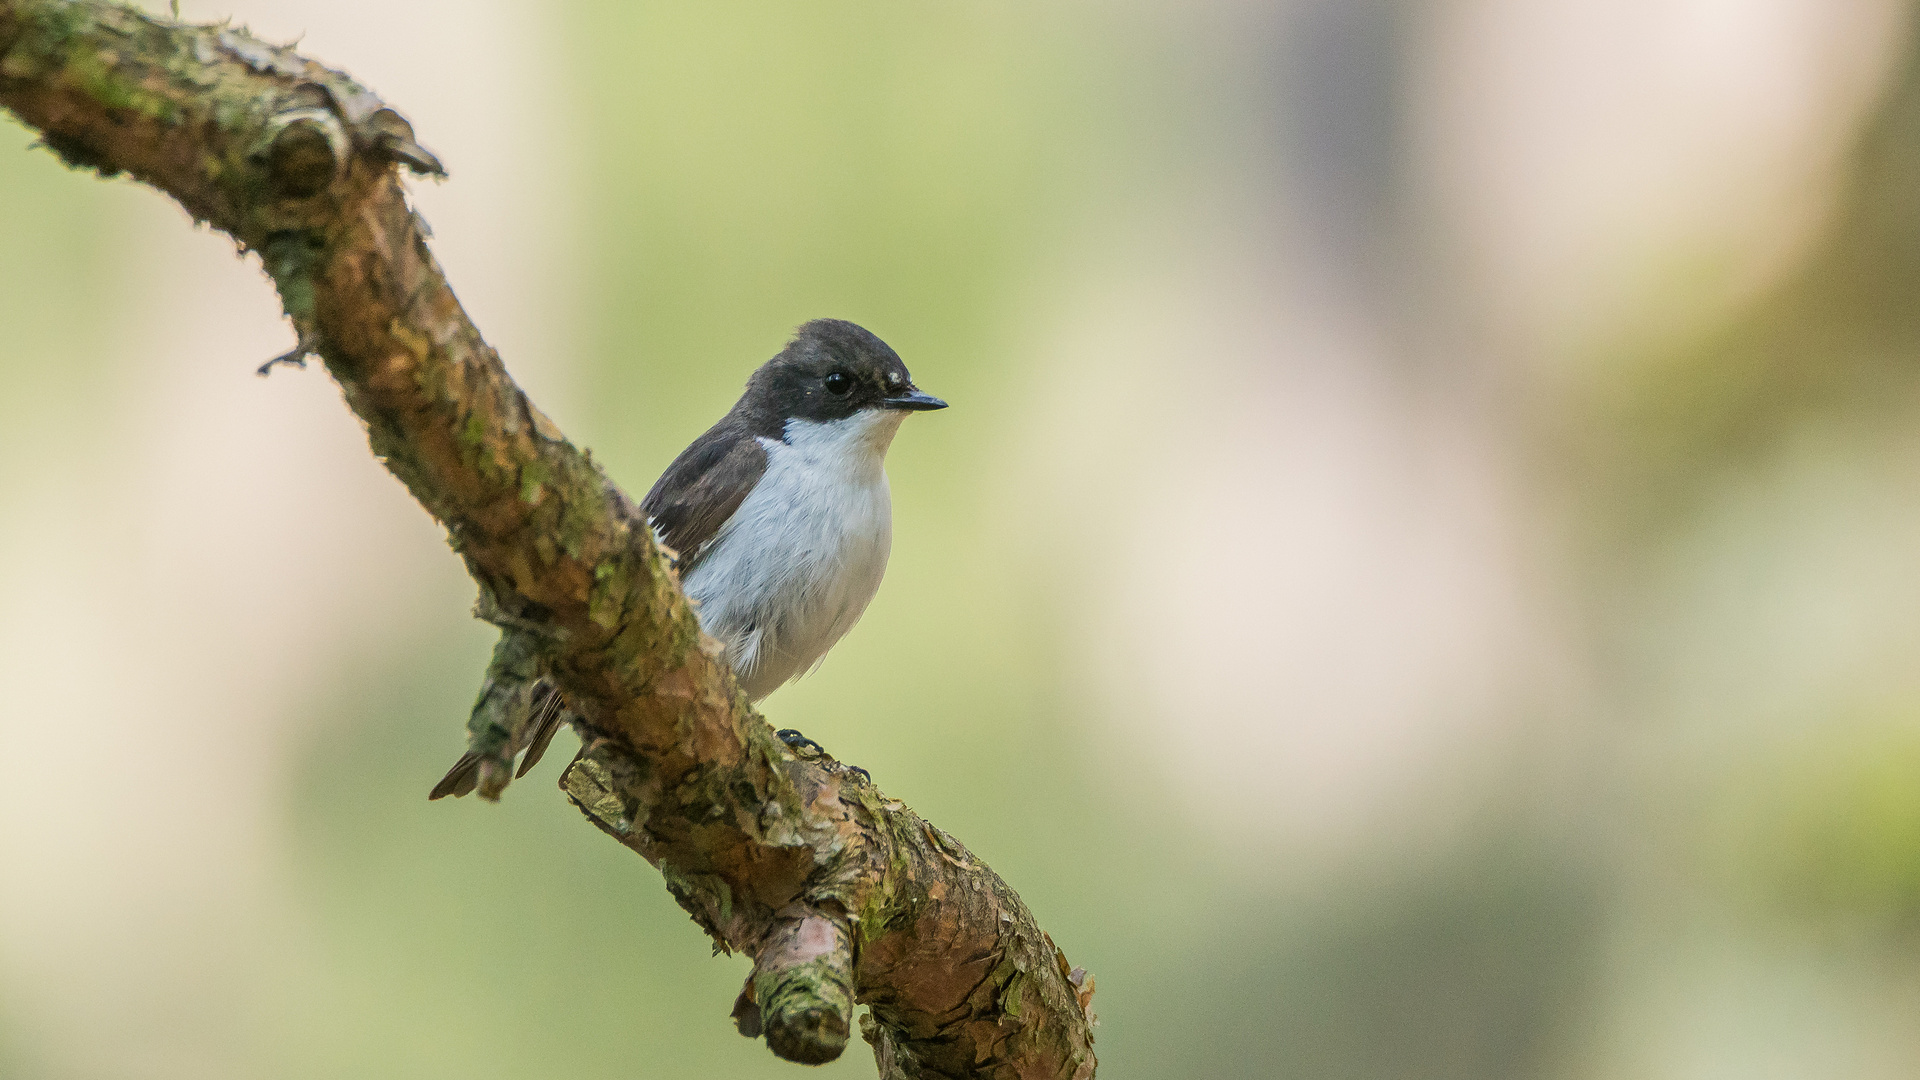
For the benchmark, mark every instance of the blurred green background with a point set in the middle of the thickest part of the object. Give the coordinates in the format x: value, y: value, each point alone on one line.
x: 1419, y: 581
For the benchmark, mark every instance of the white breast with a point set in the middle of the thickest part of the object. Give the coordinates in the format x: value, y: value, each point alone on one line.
x: 791, y: 572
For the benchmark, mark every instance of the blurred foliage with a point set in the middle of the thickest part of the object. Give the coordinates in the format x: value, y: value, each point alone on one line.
x: 58, y: 231
x: 1825, y: 829
x: 1833, y: 345
x: 1814, y: 382
x: 1476, y: 968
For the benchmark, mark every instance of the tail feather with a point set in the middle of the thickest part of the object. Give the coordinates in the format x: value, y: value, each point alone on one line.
x: 460, y: 780
x: 548, y: 716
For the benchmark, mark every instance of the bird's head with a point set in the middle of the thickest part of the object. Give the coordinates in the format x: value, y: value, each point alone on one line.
x: 833, y: 370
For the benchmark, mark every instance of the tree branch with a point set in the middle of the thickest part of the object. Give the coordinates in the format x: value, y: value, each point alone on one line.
x: 839, y: 893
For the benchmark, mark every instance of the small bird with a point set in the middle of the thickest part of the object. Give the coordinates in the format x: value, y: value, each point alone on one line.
x: 779, y: 515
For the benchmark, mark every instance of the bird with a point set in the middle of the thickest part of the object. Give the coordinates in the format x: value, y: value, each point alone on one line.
x: 779, y: 519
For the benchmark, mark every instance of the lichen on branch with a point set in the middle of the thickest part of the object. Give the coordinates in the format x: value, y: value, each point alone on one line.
x: 841, y: 894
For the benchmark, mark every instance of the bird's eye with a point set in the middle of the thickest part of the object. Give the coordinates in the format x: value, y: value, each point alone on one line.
x: 839, y: 383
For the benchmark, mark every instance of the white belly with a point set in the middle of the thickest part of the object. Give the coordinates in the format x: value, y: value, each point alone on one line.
x: 791, y: 572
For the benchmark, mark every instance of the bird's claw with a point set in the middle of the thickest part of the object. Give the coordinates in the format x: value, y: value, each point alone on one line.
x: 295, y: 357
x: 798, y: 741
x: 809, y: 750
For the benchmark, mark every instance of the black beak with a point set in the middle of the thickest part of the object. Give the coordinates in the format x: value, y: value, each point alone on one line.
x: 913, y: 401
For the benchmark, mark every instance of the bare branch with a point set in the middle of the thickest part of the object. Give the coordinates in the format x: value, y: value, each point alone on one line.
x: 840, y: 893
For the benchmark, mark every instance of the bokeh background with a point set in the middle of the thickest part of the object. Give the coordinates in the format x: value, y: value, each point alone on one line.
x: 1421, y: 578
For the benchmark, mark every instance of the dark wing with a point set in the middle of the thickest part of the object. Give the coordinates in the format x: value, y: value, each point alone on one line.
x: 702, y: 489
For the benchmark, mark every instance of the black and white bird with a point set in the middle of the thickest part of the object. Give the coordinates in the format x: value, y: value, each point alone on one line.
x: 780, y: 514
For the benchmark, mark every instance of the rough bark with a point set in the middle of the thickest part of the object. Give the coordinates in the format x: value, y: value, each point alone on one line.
x: 839, y: 893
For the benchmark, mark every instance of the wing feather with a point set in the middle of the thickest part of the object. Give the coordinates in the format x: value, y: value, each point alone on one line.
x: 702, y: 489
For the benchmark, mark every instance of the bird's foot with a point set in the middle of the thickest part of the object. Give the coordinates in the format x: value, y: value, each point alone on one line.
x: 295, y: 357
x: 801, y: 742
x: 808, y: 750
